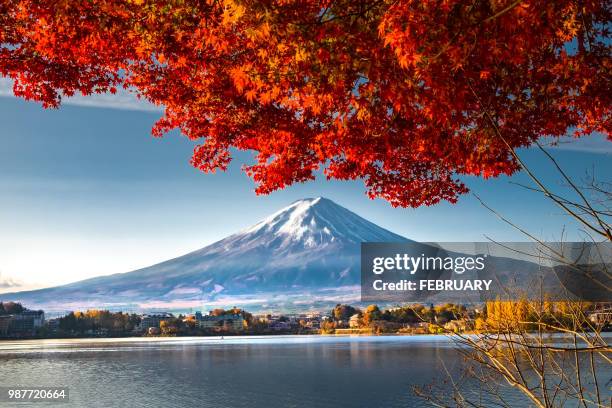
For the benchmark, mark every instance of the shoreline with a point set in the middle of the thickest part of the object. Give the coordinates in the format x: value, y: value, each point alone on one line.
x: 235, y: 338
x: 227, y: 336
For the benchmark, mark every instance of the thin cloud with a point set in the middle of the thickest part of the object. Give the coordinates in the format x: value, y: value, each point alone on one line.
x: 595, y: 143
x: 7, y: 282
x: 121, y: 100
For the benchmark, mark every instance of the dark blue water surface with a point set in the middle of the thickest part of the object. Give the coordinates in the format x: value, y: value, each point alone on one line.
x: 270, y: 372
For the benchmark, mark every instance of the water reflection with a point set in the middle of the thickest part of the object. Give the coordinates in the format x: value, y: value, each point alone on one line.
x: 292, y: 371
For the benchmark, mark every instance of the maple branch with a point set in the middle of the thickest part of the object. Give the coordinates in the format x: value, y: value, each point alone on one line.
x: 566, y: 201
x: 560, y: 257
x: 605, y: 233
x: 503, y: 11
x: 321, y: 20
x: 394, y: 43
x: 474, y: 24
x: 605, y: 227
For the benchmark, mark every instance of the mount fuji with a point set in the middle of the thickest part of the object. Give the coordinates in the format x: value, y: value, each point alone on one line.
x: 305, y: 253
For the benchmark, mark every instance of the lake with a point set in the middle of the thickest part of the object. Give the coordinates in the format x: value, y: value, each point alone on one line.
x: 263, y: 371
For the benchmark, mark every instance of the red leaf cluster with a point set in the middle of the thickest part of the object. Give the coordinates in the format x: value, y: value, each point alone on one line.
x: 405, y: 95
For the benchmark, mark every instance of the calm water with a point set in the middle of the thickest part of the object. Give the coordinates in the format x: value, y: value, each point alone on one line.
x: 292, y: 371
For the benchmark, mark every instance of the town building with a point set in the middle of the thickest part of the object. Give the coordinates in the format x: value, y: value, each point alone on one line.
x: 226, y: 322
x: 354, y: 321
x: 53, y: 325
x: 279, y: 325
x: 25, y: 323
x: 601, y: 317
x: 153, y: 320
x: 459, y: 325
x: 5, y: 322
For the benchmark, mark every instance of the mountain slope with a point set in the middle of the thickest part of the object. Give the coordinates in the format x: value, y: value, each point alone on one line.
x: 310, y: 245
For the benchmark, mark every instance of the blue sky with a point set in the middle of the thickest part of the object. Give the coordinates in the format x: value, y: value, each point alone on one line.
x: 86, y: 191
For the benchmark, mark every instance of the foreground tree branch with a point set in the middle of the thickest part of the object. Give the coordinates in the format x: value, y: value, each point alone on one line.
x: 376, y: 90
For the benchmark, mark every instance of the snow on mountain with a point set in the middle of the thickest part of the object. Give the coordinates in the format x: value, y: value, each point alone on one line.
x: 305, y: 225
x: 318, y: 221
x: 310, y: 245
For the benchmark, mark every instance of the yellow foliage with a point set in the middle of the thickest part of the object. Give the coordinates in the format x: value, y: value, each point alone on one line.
x: 232, y: 12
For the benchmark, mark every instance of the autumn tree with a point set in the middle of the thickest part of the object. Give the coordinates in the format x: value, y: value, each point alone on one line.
x: 218, y: 312
x: 343, y: 312
x: 405, y: 314
x: 328, y: 327
x: 169, y: 327
x: 114, y: 322
x: 405, y: 95
x: 370, y: 314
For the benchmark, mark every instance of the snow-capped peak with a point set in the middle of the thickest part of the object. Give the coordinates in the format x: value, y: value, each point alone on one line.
x: 294, y: 212
x: 319, y: 221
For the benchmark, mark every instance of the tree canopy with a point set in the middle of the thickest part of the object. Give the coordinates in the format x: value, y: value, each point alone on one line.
x: 404, y: 95
x: 10, y: 308
x: 343, y: 312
